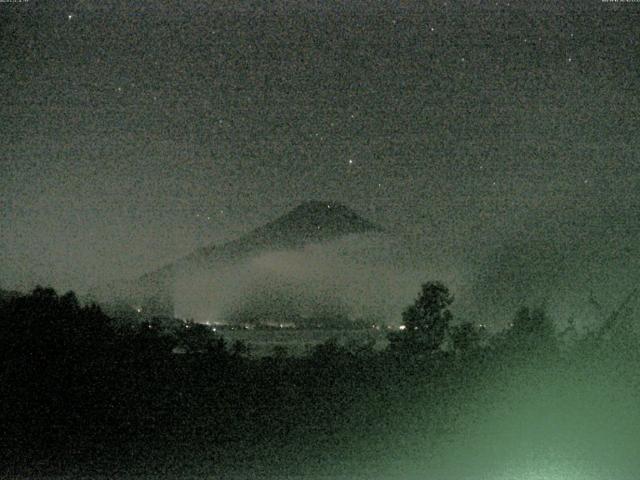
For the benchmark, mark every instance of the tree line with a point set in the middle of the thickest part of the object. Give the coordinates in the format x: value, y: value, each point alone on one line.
x: 78, y: 386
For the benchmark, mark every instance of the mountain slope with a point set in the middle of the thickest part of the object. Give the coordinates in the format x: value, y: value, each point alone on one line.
x: 310, y: 222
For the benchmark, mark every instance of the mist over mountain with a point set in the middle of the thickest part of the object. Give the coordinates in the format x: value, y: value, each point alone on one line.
x: 320, y: 260
x: 357, y: 276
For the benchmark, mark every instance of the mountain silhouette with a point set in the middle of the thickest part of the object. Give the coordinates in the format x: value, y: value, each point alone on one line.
x: 308, y: 223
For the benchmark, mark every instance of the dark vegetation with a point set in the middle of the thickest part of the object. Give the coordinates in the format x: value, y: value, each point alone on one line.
x: 83, y: 393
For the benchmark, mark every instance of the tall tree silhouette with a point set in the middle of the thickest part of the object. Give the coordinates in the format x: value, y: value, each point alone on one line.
x: 426, y: 321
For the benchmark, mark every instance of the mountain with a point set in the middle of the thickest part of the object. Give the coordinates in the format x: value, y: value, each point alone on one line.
x: 309, y: 223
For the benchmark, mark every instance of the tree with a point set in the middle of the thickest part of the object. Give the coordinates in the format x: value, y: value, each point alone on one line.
x: 465, y: 337
x: 531, y: 331
x: 426, y: 321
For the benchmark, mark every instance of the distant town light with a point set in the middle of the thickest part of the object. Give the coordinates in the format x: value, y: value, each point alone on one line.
x: 402, y: 327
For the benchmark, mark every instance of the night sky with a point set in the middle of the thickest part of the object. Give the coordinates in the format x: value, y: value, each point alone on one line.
x: 481, y: 132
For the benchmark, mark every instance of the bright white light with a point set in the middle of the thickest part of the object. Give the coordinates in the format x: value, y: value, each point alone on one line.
x: 402, y: 327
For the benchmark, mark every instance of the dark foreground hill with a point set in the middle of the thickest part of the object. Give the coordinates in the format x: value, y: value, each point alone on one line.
x: 84, y: 397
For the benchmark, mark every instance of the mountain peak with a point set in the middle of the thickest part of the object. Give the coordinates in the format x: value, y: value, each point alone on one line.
x: 319, y: 205
x: 329, y: 218
x: 310, y: 222
x: 321, y: 209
